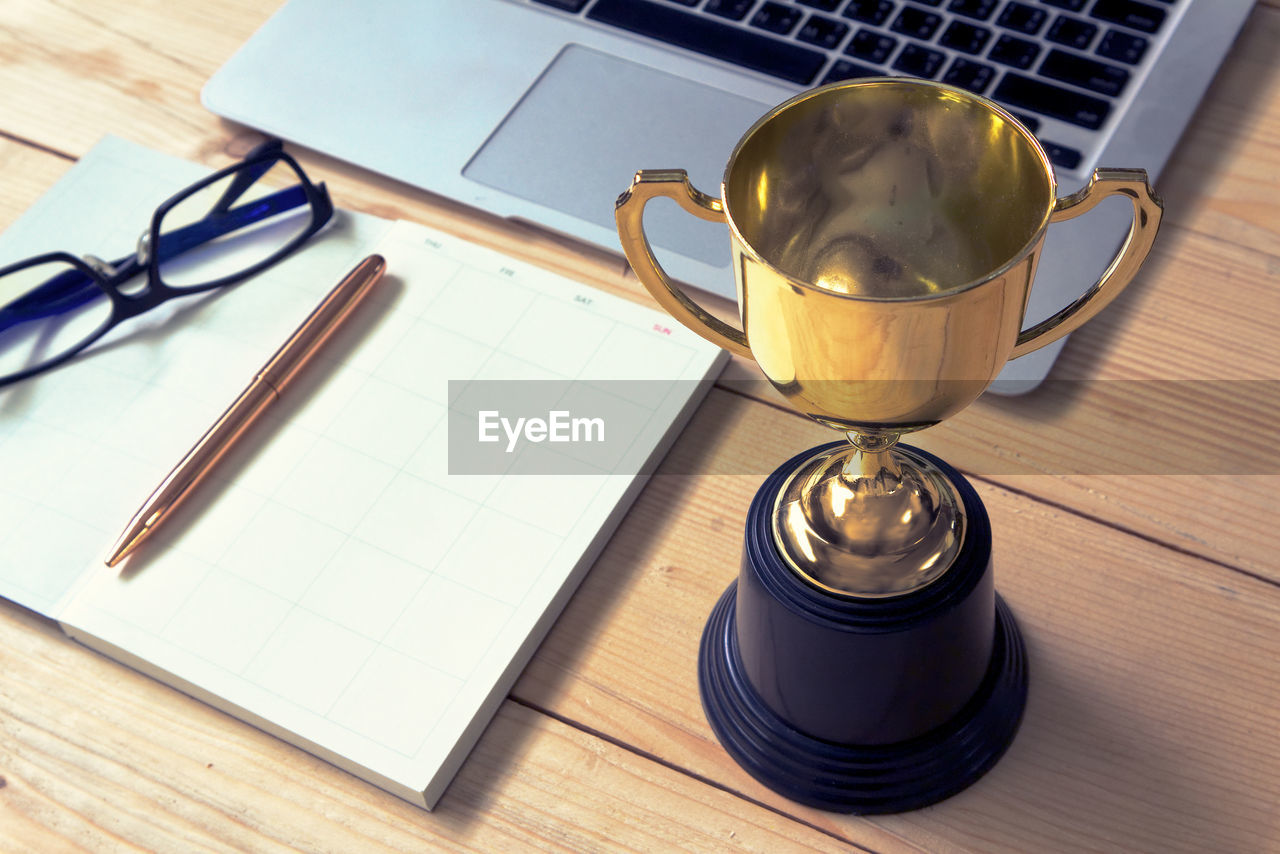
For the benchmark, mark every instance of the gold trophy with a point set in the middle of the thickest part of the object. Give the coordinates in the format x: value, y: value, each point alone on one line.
x: 884, y: 237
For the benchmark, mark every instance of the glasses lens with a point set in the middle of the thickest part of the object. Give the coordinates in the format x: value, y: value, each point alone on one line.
x: 46, y: 311
x: 236, y: 223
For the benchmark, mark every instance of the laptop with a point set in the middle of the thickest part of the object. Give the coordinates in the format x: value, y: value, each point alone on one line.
x: 542, y: 110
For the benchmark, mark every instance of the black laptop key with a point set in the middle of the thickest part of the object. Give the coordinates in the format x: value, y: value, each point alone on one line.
x: 1070, y: 5
x: 970, y: 75
x: 824, y: 5
x: 776, y: 18
x: 823, y: 32
x: 1046, y: 98
x: 1083, y: 72
x: 919, y: 60
x: 1061, y: 155
x: 1031, y: 123
x: 979, y: 9
x: 914, y: 21
x: 735, y: 10
x: 1130, y: 13
x: 871, y: 46
x: 843, y: 69
x: 1072, y: 32
x: 721, y: 41
x: 1014, y: 51
x: 963, y: 37
x: 686, y: 2
x: 1023, y: 18
x: 1122, y: 47
x: 566, y: 5
x: 874, y: 12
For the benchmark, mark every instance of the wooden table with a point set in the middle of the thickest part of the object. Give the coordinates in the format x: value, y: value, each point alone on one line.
x: 1147, y: 584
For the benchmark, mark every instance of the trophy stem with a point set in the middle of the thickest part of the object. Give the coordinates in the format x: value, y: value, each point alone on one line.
x: 874, y: 456
x: 868, y: 519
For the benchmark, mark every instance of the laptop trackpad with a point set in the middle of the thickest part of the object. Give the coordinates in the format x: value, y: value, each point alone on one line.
x: 577, y: 137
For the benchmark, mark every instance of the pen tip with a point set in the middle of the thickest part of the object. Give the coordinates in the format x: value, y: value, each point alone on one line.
x: 123, y: 547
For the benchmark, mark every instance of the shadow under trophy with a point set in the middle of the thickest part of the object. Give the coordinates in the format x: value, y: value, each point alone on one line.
x: 884, y: 237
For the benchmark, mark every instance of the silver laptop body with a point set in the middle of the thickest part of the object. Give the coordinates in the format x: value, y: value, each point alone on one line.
x: 543, y: 115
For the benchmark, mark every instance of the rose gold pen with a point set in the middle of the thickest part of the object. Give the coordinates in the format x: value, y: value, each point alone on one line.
x: 264, y: 390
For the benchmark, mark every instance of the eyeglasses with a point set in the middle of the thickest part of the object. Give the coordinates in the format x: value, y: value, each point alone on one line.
x: 226, y: 228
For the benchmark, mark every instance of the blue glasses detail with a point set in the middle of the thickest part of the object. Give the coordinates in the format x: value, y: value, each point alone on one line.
x: 222, y: 230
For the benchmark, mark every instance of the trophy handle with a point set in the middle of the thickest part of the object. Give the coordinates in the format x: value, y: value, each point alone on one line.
x: 629, y: 213
x: 1147, y: 210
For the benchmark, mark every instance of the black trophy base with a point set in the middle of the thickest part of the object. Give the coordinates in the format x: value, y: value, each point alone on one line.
x: 865, y: 705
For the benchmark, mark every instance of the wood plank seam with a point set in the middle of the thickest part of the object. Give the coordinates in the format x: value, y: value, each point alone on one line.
x: 1147, y: 538
x: 692, y: 775
x: 30, y: 143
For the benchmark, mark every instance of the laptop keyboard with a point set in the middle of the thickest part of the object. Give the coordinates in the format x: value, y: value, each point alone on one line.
x: 1061, y: 66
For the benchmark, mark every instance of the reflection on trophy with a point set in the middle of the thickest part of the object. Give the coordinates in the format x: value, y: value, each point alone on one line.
x: 885, y: 235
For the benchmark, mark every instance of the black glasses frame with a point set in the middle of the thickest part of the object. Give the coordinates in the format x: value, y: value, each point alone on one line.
x: 91, y: 277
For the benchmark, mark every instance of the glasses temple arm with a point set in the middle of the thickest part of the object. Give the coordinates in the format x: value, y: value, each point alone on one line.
x: 243, y: 180
x: 217, y: 223
x: 249, y: 175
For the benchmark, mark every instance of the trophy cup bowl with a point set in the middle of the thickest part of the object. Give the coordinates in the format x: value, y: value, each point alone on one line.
x: 884, y: 237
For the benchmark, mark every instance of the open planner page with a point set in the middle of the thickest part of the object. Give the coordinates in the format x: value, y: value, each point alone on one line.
x: 333, y: 581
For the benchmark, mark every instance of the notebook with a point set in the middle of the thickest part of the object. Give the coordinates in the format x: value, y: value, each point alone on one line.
x: 333, y: 583
x: 542, y: 110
